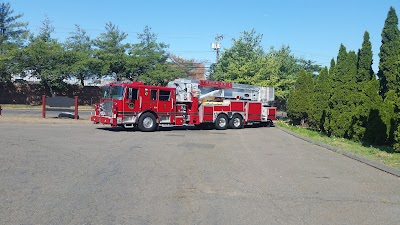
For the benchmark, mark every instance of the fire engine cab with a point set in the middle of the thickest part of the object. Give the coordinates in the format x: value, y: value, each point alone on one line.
x: 183, y: 102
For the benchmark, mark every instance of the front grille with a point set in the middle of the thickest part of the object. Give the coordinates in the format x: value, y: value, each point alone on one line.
x: 105, y: 108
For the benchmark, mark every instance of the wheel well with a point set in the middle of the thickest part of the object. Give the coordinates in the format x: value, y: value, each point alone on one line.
x: 223, y: 113
x: 237, y: 114
x: 149, y: 111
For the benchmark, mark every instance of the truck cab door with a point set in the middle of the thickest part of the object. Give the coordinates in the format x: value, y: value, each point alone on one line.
x: 149, y: 99
x: 131, y: 103
x: 165, y: 101
x: 165, y: 106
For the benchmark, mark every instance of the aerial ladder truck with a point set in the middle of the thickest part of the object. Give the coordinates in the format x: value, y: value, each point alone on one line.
x: 185, y: 102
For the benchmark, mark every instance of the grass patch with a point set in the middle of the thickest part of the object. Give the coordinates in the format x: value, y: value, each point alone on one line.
x: 382, y: 154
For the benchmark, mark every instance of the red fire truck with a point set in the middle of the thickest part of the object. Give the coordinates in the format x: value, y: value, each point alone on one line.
x: 185, y: 102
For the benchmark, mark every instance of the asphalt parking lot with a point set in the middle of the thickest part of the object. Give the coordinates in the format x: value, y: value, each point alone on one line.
x: 58, y: 171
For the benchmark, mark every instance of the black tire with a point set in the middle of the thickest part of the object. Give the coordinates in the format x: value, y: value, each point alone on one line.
x: 221, y: 123
x: 268, y: 123
x: 147, y: 122
x: 236, y: 122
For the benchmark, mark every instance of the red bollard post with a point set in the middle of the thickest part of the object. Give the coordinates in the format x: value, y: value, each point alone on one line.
x: 76, y: 107
x: 43, y: 106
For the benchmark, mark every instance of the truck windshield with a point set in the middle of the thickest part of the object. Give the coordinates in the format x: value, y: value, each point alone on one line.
x: 113, y: 92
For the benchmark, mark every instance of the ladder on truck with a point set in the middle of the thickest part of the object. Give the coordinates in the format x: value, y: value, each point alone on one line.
x: 218, y: 89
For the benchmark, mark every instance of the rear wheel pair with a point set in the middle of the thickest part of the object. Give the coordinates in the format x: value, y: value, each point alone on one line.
x: 222, y: 122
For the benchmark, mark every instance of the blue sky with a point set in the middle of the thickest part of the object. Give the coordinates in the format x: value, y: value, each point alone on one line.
x: 313, y: 29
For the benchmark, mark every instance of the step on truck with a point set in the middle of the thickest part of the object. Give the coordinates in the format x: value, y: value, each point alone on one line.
x: 184, y: 102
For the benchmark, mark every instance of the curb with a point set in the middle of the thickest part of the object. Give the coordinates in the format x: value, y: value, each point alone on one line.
x: 375, y: 164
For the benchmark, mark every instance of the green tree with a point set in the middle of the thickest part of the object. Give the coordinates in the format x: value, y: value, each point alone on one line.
x: 82, y: 65
x: 161, y: 74
x: 332, y: 67
x: 364, y: 63
x: 79, y: 40
x: 12, y: 32
x: 363, y: 93
x: 320, y: 100
x: 300, y: 98
x: 12, y: 36
x: 389, y: 73
x: 344, y: 94
x: 288, y: 67
x: 112, y: 51
x: 396, y: 145
x: 374, y: 115
x: 45, y: 59
x: 246, y: 62
x: 149, y: 59
x: 241, y: 62
x: 46, y: 30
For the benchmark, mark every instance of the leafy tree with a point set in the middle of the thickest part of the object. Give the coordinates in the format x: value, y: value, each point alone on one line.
x: 300, y: 98
x: 12, y: 32
x: 363, y: 93
x: 12, y: 36
x: 332, y: 67
x: 397, y: 139
x: 147, y: 55
x: 246, y: 62
x: 389, y: 115
x: 328, y: 116
x: 372, y: 114
x: 45, y: 59
x: 389, y: 70
x: 320, y: 100
x: 46, y: 30
x: 287, y: 69
x: 112, y: 51
x: 111, y: 40
x: 344, y: 94
x: 79, y: 41
x: 364, y: 63
x: 389, y: 75
x: 82, y: 65
x: 239, y: 63
x: 161, y: 74
x: 308, y: 65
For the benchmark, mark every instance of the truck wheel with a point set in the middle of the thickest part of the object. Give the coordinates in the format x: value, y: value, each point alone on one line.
x: 269, y: 123
x: 147, y: 122
x: 221, y: 123
x: 236, y: 122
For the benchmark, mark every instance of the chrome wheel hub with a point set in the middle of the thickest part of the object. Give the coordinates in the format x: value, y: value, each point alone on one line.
x: 236, y: 122
x: 222, y: 122
x: 148, y: 122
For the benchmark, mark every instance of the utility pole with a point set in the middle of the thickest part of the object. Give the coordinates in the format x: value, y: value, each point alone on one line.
x: 216, y: 46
